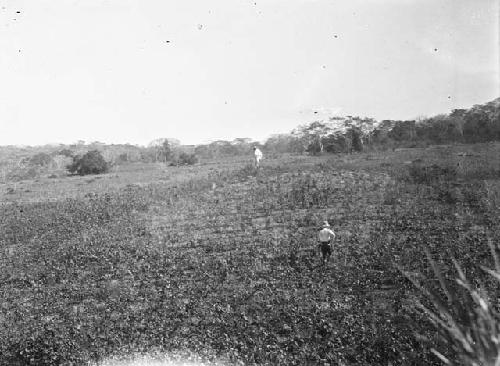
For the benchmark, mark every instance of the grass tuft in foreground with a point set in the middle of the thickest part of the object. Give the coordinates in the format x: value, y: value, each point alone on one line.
x: 465, y: 315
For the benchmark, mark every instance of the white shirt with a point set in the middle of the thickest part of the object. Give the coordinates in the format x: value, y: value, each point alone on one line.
x: 258, y: 154
x: 326, y: 235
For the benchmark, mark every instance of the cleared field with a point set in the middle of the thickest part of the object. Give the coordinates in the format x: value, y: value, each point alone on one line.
x: 221, y: 262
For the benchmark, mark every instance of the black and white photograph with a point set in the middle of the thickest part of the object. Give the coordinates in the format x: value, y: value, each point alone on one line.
x: 249, y: 182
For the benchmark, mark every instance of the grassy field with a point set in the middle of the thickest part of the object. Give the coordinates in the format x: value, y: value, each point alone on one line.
x: 221, y: 263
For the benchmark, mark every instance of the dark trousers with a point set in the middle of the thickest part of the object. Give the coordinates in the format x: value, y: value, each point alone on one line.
x: 326, y: 249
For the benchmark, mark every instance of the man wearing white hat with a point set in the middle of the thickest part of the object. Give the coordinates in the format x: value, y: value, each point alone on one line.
x: 326, y: 235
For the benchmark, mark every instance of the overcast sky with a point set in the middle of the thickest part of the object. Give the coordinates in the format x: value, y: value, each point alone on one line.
x: 135, y: 70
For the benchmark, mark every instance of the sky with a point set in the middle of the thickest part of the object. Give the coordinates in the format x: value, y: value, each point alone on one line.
x: 131, y: 71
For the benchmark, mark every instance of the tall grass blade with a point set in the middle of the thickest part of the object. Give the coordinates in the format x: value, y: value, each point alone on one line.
x: 494, y: 255
x: 439, y: 276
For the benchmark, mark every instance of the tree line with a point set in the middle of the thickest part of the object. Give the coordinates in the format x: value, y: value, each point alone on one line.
x: 480, y: 123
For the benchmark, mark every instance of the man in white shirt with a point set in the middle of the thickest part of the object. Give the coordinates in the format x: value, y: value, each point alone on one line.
x: 258, y: 156
x: 326, y: 236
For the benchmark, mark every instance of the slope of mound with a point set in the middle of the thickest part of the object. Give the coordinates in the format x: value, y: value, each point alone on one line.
x: 225, y: 265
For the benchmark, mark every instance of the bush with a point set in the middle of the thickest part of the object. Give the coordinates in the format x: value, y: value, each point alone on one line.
x: 40, y: 159
x: 90, y: 163
x: 187, y: 159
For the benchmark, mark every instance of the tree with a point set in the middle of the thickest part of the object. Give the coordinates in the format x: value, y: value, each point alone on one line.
x: 61, y: 161
x: 295, y: 145
x: 222, y: 148
x: 65, y: 152
x: 165, y: 151
x: 357, y: 143
x: 315, y: 147
x: 90, y: 163
x: 482, y: 122
x: 162, y: 148
x: 403, y: 131
x: 283, y: 143
x: 335, y: 143
x: 203, y: 151
x: 242, y: 145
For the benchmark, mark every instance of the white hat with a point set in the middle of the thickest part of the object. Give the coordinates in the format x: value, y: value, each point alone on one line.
x: 326, y: 224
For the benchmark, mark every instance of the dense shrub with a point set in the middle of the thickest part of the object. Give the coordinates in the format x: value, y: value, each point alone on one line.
x: 187, y: 159
x: 40, y: 159
x: 90, y: 163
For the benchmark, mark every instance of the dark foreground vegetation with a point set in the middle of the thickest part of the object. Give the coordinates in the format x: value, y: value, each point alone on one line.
x: 226, y: 265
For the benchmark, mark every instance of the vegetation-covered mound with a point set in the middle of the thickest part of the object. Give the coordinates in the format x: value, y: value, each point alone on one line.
x: 227, y: 265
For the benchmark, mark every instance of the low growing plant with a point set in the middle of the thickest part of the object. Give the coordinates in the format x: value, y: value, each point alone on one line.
x: 467, y: 317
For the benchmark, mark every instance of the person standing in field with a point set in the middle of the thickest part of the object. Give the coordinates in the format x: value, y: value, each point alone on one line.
x: 257, y: 156
x: 326, y: 236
